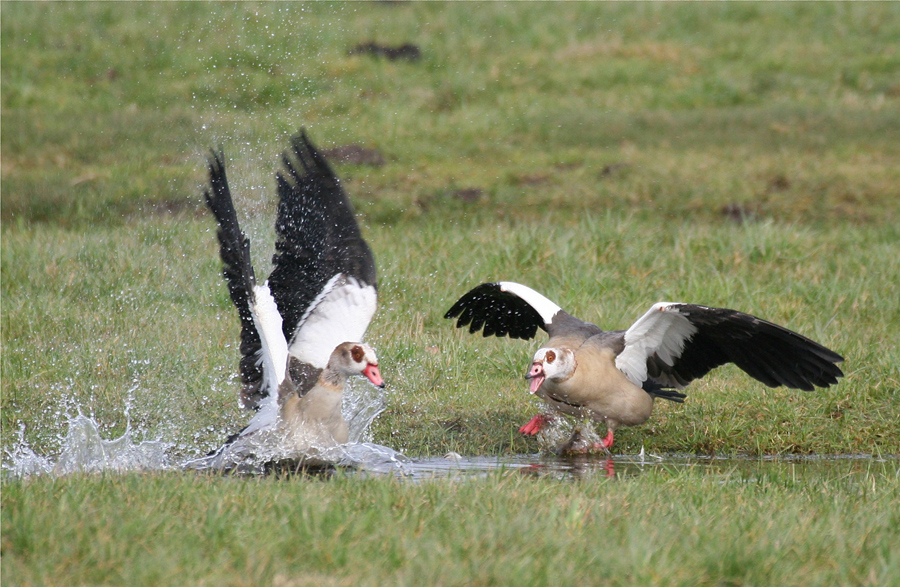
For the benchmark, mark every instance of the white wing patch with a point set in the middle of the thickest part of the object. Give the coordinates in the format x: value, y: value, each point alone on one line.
x: 541, y: 305
x: 662, y: 330
x: 267, y: 320
x: 340, y: 313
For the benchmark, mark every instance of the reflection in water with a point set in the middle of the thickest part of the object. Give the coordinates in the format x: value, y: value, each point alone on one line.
x: 632, y: 466
x: 576, y: 469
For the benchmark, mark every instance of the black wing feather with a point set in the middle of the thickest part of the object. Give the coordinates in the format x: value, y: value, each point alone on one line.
x: 767, y: 352
x: 317, y: 234
x: 500, y: 313
x: 234, y: 249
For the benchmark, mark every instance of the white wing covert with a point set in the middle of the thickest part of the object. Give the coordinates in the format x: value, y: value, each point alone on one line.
x: 340, y: 313
x: 662, y: 331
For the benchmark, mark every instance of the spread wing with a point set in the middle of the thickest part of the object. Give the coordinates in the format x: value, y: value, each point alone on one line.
x: 260, y: 323
x: 674, y: 343
x: 511, y: 309
x: 324, y: 278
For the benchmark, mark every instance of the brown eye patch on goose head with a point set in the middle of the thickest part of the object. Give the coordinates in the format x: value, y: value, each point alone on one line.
x: 357, y: 353
x: 550, y: 356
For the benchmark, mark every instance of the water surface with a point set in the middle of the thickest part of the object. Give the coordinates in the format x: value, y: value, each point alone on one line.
x: 84, y: 450
x: 627, y: 466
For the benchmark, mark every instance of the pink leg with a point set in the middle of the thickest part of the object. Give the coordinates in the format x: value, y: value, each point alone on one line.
x: 607, y: 442
x: 535, y: 424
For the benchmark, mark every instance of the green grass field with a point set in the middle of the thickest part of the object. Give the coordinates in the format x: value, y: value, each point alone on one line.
x: 671, y: 528
x: 608, y: 155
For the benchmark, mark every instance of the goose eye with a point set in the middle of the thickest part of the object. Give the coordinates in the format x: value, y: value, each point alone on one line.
x: 357, y: 353
x: 550, y: 356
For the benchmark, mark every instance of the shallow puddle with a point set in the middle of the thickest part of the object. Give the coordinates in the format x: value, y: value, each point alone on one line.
x: 84, y: 450
x: 623, y: 466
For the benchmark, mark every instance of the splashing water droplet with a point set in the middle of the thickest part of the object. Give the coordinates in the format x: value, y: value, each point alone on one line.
x: 84, y: 450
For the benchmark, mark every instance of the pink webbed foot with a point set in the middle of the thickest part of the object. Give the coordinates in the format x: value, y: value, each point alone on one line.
x: 536, y: 424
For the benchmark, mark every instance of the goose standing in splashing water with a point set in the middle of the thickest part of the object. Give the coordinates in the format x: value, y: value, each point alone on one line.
x: 301, y: 329
x: 614, y: 376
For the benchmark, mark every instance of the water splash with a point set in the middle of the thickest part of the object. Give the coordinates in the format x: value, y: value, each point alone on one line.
x: 362, y: 404
x: 268, y: 448
x: 260, y: 453
x: 84, y: 450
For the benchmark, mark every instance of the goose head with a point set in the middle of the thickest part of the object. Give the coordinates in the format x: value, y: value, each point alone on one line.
x: 356, y: 358
x: 550, y: 363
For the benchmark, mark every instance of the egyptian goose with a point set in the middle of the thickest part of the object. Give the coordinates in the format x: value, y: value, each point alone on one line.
x: 614, y: 376
x: 300, y: 329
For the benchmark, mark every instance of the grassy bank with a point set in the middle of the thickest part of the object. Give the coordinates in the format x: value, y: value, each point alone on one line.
x: 685, y: 527
x: 608, y: 155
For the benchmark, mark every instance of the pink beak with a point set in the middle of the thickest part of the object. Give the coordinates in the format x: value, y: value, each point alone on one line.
x: 374, y: 375
x: 536, y: 375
